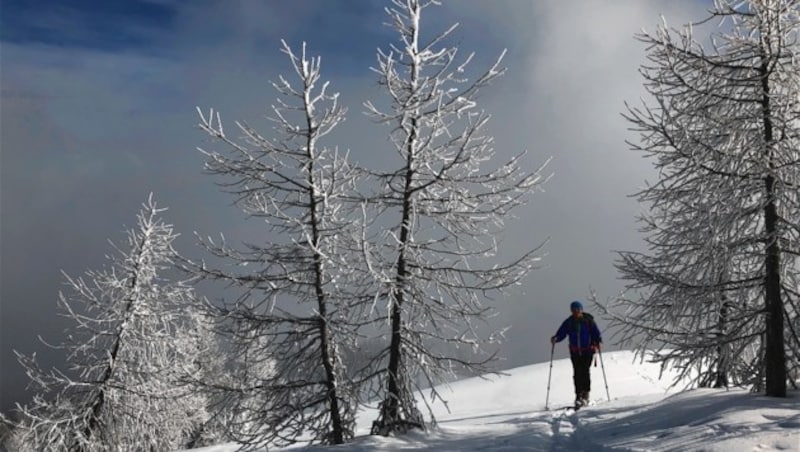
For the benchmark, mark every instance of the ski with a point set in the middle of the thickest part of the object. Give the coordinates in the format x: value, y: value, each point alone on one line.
x: 584, y: 404
x: 574, y: 407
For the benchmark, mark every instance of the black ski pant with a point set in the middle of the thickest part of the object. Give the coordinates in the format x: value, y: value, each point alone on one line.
x: 581, y: 363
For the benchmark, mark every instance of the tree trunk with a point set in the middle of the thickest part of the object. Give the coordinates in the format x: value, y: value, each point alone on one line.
x: 775, y: 357
x: 327, y: 350
x: 721, y: 373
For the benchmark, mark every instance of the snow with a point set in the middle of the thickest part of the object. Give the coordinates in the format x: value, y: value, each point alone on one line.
x: 507, y: 413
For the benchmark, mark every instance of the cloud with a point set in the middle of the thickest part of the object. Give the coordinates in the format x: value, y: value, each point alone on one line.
x: 576, y: 63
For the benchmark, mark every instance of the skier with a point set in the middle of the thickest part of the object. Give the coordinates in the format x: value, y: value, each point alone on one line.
x: 584, y: 341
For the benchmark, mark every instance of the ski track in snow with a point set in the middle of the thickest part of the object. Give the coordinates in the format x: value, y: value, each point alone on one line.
x: 559, y: 429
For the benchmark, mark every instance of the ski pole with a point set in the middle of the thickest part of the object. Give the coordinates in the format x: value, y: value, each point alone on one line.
x: 604, y: 373
x: 547, y: 399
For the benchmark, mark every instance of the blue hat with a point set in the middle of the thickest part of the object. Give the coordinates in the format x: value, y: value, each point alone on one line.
x: 576, y: 305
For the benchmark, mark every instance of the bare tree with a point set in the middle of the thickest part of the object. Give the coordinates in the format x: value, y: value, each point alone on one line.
x: 296, y: 310
x: 720, y: 279
x: 440, y: 213
x: 128, y: 353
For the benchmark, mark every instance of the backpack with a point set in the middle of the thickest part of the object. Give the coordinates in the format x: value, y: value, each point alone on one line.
x: 588, y: 321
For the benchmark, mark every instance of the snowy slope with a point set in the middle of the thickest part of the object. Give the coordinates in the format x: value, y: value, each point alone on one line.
x: 507, y: 413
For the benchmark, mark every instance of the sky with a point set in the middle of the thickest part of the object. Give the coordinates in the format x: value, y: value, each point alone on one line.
x: 97, y: 110
x: 631, y: 409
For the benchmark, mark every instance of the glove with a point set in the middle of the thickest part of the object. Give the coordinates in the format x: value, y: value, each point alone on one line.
x: 553, y: 340
x: 595, y: 348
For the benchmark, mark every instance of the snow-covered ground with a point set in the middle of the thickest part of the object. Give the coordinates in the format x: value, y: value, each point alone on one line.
x: 507, y: 413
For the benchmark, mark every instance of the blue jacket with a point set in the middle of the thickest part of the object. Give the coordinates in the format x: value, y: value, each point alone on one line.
x: 582, y: 334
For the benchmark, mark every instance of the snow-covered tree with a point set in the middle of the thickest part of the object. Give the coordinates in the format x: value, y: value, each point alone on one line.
x: 204, y: 344
x: 440, y: 213
x: 719, y: 283
x: 297, y: 307
x: 129, y: 353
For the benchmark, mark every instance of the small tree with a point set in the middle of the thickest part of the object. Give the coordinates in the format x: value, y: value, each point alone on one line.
x: 722, y: 270
x: 127, y: 353
x: 209, y: 364
x: 296, y: 308
x: 445, y: 207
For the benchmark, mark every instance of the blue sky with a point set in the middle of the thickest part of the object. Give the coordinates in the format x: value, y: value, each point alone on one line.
x: 166, y: 28
x: 109, y: 26
x: 98, y: 110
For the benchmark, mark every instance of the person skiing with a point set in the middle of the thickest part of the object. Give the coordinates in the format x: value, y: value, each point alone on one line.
x: 584, y: 341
